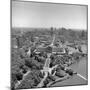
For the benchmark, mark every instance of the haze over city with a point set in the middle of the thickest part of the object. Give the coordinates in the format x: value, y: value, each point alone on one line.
x: 43, y: 15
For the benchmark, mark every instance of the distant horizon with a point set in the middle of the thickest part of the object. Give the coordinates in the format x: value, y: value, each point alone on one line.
x: 49, y: 28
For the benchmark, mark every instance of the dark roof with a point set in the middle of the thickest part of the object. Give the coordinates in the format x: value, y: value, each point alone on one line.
x: 43, y: 49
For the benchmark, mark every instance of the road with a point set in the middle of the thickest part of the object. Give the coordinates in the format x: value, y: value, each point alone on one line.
x: 46, y: 68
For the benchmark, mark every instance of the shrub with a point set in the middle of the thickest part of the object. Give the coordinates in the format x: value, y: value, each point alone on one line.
x: 69, y: 71
x: 19, y: 76
x: 51, y: 77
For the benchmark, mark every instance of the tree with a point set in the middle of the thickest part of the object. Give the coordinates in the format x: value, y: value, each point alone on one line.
x: 32, y: 38
x: 51, y: 31
x: 20, y: 41
x: 48, y: 49
x: 83, y: 34
x: 62, y: 39
x: 72, y: 35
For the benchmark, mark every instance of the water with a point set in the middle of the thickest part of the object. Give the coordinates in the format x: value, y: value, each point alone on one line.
x: 80, y: 79
x: 81, y: 67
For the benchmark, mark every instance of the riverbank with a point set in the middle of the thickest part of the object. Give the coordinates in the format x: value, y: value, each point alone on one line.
x: 81, y: 68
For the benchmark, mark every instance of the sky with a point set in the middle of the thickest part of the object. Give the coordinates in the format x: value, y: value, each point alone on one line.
x: 45, y: 15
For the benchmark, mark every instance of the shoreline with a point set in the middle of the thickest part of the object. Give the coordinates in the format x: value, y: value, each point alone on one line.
x: 77, y: 78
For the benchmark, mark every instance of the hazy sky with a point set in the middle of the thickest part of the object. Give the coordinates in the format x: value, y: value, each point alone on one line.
x: 31, y: 14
